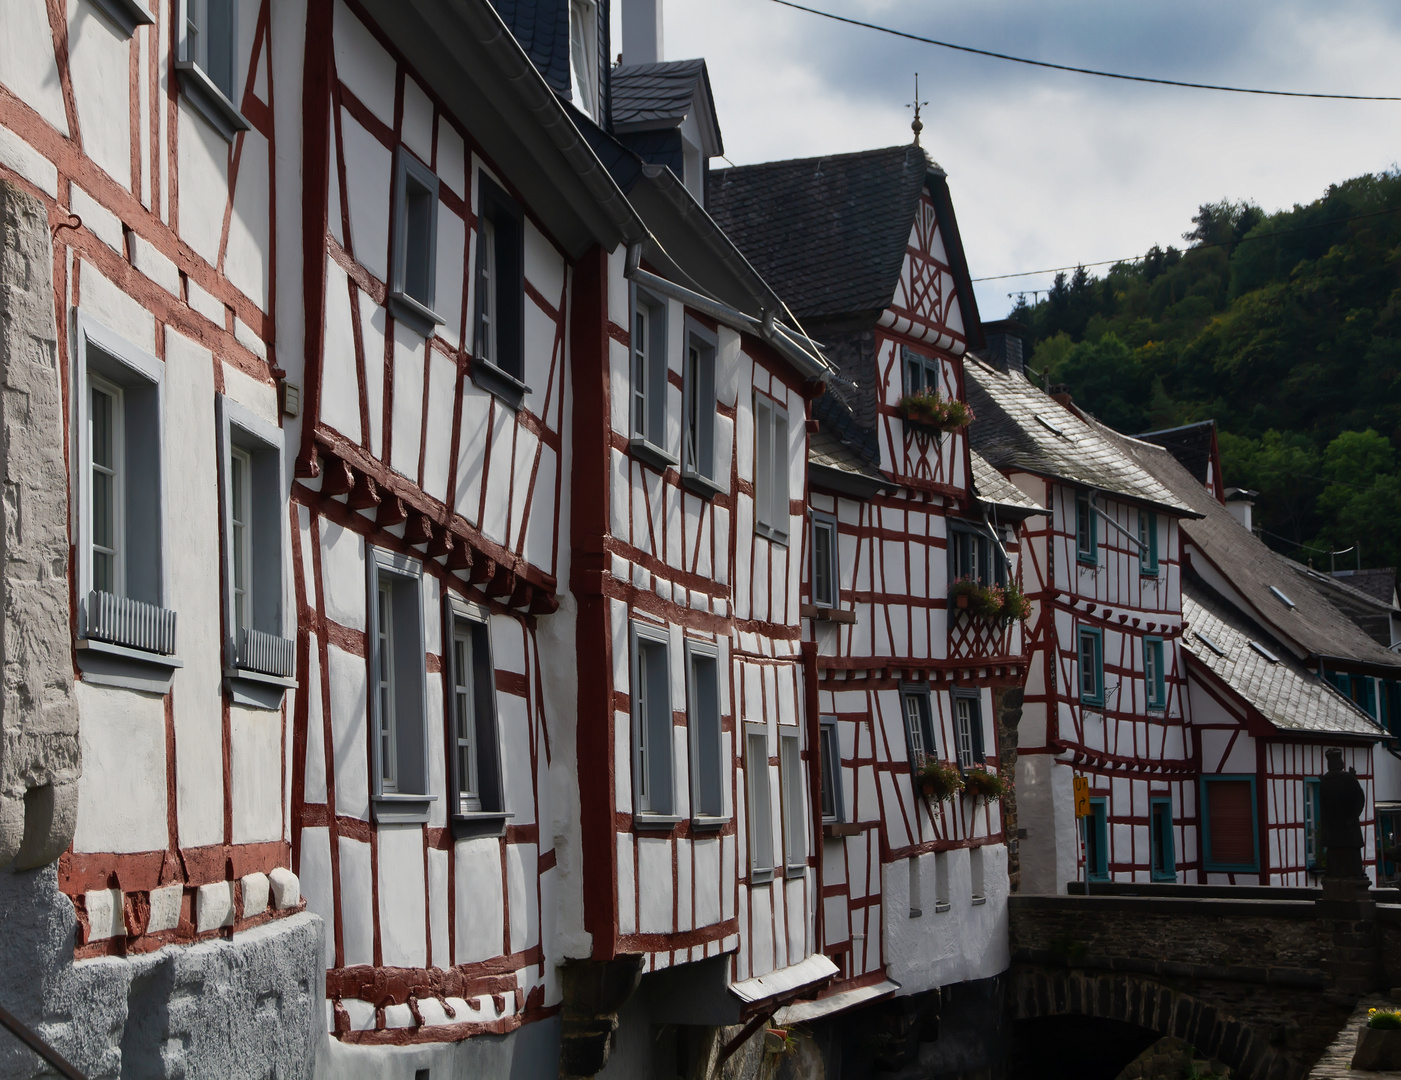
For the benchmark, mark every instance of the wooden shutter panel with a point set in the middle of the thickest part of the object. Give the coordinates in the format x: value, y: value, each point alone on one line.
x: 1231, y: 813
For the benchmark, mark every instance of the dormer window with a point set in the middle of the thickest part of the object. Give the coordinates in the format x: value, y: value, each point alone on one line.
x: 583, y: 54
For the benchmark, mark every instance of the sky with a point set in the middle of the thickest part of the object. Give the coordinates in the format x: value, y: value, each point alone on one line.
x: 1049, y: 168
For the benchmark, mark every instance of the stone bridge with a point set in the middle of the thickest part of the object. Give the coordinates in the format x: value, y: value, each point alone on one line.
x: 1260, y: 979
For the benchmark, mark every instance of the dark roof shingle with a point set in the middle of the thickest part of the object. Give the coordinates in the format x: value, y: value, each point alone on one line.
x: 542, y: 28
x: 829, y: 233
x: 656, y: 95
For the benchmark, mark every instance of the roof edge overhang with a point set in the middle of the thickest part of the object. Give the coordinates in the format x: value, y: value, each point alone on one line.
x: 937, y: 184
x: 473, y: 63
x: 846, y: 483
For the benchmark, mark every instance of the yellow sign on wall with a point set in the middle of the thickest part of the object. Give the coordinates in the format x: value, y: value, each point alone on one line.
x: 1082, y: 796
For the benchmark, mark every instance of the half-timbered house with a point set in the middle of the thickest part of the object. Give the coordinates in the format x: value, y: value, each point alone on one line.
x: 865, y: 250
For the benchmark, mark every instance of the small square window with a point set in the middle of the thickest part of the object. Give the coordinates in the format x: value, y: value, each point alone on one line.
x: 771, y: 510
x: 500, y: 299
x: 707, y: 739
x: 795, y: 846
x: 826, y: 568
x: 1086, y: 530
x: 413, y: 285
x: 1147, y: 543
x: 922, y: 373
x: 833, y: 797
x: 976, y: 556
x: 652, y: 724
x: 698, y: 404
x: 398, y: 687
x: 756, y: 769
x: 968, y: 728
x: 1091, y: 657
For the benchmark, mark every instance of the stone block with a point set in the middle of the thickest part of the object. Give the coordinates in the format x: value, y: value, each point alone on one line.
x: 105, y: 914
x: 165, y: 908
x: 255, y: 894
x: 214, y: 906
x: 286, y: 889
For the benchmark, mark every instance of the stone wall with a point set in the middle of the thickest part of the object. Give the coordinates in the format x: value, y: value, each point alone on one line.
x: 39, y: 755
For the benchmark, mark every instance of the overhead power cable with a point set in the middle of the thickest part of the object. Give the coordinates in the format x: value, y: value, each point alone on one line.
x: 1078, y: 70
x: 1199, y: 247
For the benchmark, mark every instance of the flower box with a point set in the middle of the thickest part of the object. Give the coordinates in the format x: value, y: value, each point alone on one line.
x: 939, y: 780
x: 982, y: 784
x: 929, y: 410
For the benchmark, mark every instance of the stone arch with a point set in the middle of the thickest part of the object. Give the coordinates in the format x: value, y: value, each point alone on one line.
x: 1040, y: 994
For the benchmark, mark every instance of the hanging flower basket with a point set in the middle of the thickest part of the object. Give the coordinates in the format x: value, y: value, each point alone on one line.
x: 1015, y: 603
x: 939, y: 780
x: 929, y: 410
x: 984, y: 601
x: 982, y: 784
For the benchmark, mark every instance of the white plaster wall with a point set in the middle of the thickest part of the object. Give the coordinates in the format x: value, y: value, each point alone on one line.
x: 121, y: 792
x: 203, y: 159
x: 248, y: 257
x: 255, y: 756
x: 27, y: 64
x: 99, y: 67
x: 1045, y: 808
x: 480, y: 909
x: 402, y: 928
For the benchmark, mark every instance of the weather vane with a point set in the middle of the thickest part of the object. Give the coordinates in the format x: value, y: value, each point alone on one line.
x: 917, y: 126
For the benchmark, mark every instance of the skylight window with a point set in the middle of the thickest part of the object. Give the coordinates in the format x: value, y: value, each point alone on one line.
x: 1271, y: 657
x: 1209, y: 643
x: 1283, y: 599
x: 1051, y: 427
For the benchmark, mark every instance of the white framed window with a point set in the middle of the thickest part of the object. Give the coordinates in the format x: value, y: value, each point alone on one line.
x: 259, y: 653
x: 703, y: 721
x: 398, y: 687
x: 975, y: 556
x: 653, y: 774
x: 795, y: 831
x: 647, y: 343
x: 968, y: 728
x: 208, y: 65
x: 698, y: 407
x: 413, y: 277
x: 770, y: 468
x: 825, y: 565
x: 121, y: 560
x: 498, y: 356
x: 919, y: 724
x: 833, y: 795
x: 757, y: 784
x: 474, y: 765
x: 583, y: 54
x: 922, y: 373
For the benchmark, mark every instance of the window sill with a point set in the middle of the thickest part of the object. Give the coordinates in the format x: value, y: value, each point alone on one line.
x: 105, y: 664
x: 794, y: 871
x: 256, y: 689
x: 708, y: 824
x: 760, y: 877
x: 655, y: 822
x: 1152, y: 575
x: 499, y: 383
x: 979, y: 901
x: 479, y: 823
x: 835, y: 829
x: 125, y: 15
x: 209, y: 101
x: 768, y: 532
x: 826, y: 614
x: 414, y: 314
x: 941, y: 907
x: 703, y: 486
x: 1168, y: 879
x: 399, y: 809
x: 648, y: 451
x: 1088, y: 562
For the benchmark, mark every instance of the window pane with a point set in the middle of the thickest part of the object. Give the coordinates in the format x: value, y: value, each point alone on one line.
x: 822, y: 590
x: 104, y: 438
x: 963, y: 725
x: 469, y: 797
x: 639, y: 371
x: 794, y: 809
x: 831, y: 776
x: 760, y: 802
x: 693, y: 419
x: 763, y: 462
x: 1089, y: 666
x: 218, y: 47
x: 489, y: 289
x: 385, y: 633
x: 778, y: 499
x: 709, y: 774
x: 418, y: 241
x: 914, y: 729
x: 239, y: 471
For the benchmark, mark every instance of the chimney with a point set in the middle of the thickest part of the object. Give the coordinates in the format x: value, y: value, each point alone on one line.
x: 1005, y: 344
x: 642, y: 32
x: 1061, y: 392
x: 1240, y: 502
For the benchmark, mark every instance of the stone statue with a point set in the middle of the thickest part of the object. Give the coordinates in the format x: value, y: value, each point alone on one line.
x: 1341, y: 800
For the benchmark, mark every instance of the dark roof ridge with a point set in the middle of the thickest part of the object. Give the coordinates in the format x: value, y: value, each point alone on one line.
x: 851, y: 155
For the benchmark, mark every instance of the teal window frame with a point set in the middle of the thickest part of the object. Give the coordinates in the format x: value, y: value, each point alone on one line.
x: 1364, y: 692
x: 1156, y: 686
x: 1148, y: 543
x: 1081, y: 634
x: 1098, y: 820
x: 1086, y: 530
x: 1313, y: 813
x: 1208, y: 863
x: 1162, y: 849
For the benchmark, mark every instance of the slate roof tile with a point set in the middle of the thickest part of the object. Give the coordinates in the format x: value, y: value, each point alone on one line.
x: 991, y: 487
x: 1288, y: 695
x: 542, y: 28
x: 656, y: 95
x: 829, y: 233
x: 1020, y: 427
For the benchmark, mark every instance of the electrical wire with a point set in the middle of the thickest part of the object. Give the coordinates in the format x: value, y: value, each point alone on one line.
x: 1200, y: 247
x: 1079, y: 70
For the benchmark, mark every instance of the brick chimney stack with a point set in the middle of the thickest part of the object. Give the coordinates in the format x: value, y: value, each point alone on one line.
x: 642, y: 32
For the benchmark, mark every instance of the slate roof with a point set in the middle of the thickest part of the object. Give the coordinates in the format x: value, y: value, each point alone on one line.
x: 829, y: 233
x: 542, y: 28
x: 991, y: 487
x: 657, y: 95
x: 1379, y: 584
x: 1314, y: 623
x: 828, y: 451
x: 1190, y: 444
x: 1286, y: 693
x: 1021, y: 428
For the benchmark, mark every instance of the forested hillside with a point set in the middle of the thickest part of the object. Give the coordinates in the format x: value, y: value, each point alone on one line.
x: 1286, y: 329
